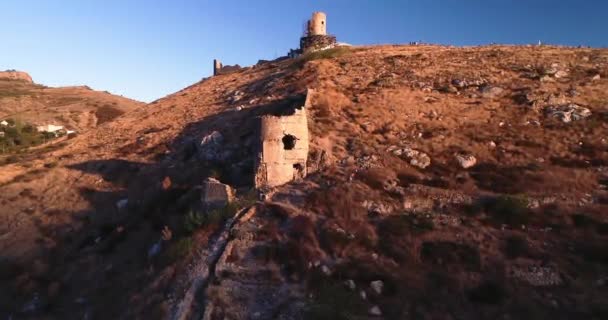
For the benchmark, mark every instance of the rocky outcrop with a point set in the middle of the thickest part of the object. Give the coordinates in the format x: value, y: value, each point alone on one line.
x: 215, y: 194
x: 16, y: 75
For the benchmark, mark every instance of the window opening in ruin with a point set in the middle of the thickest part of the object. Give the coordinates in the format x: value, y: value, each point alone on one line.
x: 289, y: 142
x: 299, y: 167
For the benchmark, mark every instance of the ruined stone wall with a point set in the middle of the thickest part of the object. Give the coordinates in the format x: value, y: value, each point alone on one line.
x: 283, y: 148
x: 219, y: 68
x: 312, y: 43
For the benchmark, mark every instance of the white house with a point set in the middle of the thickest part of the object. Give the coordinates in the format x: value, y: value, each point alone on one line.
x: 3, y: 123
x: 1, y: 134
x: 49, y: 128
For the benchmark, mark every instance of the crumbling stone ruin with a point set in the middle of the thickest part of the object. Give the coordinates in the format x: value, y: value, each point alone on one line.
x: 219, y: 68
x: 316, y: 36
x: 283, y: 147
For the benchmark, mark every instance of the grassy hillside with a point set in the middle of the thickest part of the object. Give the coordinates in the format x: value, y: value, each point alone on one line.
x: 448, y: 183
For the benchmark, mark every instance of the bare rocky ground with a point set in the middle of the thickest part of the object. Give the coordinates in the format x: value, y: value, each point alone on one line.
x: 448, y: 183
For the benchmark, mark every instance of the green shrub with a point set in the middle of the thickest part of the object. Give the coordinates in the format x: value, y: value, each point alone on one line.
x: 21, y: 135
x: 194, y: 220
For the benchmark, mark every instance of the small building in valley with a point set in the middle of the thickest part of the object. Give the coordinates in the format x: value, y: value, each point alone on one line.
x: 51, y: 128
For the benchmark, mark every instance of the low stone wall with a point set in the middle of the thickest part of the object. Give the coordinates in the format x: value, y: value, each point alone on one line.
x: 315, y: 42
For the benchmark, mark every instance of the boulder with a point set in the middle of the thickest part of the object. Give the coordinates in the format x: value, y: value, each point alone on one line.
x: 466, y: 160
x: 561, y: 74
x: 122, y: 204
x: 417, y: 158
x: 491, y: 92
x: 210, y: 147
x: 377, y: 286
x: 375, y: 311
x: 568, y: 113
x: 350, y: 284
x: 215, y: 195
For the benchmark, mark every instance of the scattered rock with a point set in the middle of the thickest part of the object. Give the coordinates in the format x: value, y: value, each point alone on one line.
x: 363, y: 295
x: 326, y: 271
x: 492, y: 144
x: 466, y: 160
x: 166, y: 234
x: 547, y: 79
x: 122, y: 204
x: 416, y: 158
x: 377, y: 286
x: 377, y: 208
x: 561, y: 74
x: 538, y: 276
x: 154, y: 249
x: 597, y: 77
x: 215, y: 194
x: 551, y: 70
x: 166, y: 183
x: 491, y: 92
x: 393, y: 187
x: 350, y: 284
x: 236, y: 96
x: 210, y: 147
x: 375, y: 311
x: 568, y: 113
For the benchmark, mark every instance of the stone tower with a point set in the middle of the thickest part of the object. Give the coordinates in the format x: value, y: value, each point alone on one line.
x: 283, y: 148
x: 317, y: 26
x: 217, y: 66
x: 316, y: 37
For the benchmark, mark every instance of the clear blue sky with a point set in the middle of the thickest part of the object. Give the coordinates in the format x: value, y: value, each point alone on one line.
x: 146, y: 49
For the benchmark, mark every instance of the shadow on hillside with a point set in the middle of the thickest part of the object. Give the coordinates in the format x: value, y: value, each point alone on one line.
x: 106, y: 246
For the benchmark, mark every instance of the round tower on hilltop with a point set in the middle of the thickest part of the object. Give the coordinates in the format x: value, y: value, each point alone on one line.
x: 317, y: 26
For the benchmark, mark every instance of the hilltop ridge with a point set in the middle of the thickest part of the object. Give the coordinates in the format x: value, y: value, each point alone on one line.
x: 16, y: 75
x: 444, y: 181
x: 76, y: 107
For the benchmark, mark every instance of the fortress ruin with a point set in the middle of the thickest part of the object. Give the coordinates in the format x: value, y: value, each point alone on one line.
x: 219, y: 68
x: 315, y: 36
x: 282, y: 147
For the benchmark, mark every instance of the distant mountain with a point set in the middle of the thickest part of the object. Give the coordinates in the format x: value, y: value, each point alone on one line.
x: 76, y: 108
x: 15, y: 75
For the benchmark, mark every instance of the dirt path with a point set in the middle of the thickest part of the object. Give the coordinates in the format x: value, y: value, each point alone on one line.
x: 192, y: 304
